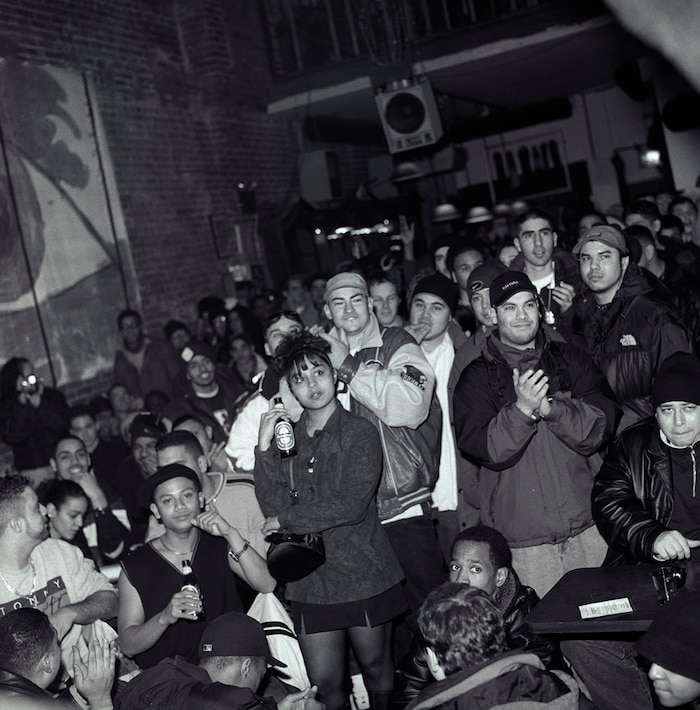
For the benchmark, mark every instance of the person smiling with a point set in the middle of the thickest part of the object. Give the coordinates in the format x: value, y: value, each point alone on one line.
x: 356, y: 593
x: 158, y: 619
x: 530, y: 411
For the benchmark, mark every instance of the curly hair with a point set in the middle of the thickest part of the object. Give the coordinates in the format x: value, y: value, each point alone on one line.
x: 499, y: 552
x: 296, y: 350
x: 462, y: 625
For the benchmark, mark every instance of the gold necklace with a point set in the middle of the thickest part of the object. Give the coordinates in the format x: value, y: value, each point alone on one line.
x: 15, y: 591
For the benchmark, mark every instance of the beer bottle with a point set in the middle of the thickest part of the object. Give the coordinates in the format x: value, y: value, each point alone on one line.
x: 284, y: 434
x: 190, y: 584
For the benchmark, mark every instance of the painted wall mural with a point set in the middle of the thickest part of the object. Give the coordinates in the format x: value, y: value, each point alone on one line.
x: 65, y: 264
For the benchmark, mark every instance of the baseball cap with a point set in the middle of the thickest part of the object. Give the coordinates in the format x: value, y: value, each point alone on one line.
x: 146, y: 425
x: 236, y: 634
x: 439, y: 286
x: 508, y: 284
x: 174, y: 470
x: 345, y: 279
x: 604, y: 233
x: 484, y: 274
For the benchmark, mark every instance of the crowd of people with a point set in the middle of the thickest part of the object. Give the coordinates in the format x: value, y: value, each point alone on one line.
x: 466, y: 432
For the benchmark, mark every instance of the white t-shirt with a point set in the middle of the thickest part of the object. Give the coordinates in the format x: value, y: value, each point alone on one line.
x: 63, y: 577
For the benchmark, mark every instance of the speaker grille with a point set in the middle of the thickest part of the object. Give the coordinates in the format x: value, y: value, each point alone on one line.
x: 405, y: 113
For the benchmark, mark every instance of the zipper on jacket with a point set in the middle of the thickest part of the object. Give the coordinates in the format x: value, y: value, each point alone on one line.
x: 695, y: 470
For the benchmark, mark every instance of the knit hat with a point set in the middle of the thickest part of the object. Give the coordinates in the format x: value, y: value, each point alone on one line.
x: 147, y: 489
x: 508, y: 284
x: 672, y: 638
x: 678, y: 380
x: 611, y: 236
x: 236, y: 634
x: 484, y: 274
x: 346, y: 279
x: 439, y: 286
x: 194, y: 348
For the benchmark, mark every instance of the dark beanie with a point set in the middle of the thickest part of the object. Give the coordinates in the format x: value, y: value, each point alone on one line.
x: 439, y: 286
x: 672, y: 638
x: 678, y: 380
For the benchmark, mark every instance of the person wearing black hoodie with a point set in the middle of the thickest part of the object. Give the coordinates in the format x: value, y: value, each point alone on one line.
x: 481, y: 559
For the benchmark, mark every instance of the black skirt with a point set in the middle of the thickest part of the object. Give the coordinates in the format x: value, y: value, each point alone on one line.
x: 382, y: 607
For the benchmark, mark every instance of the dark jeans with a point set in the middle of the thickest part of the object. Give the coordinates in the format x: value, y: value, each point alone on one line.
x: 608, y: 667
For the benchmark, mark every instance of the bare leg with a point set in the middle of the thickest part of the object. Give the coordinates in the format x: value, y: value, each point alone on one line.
x: 372, y: 646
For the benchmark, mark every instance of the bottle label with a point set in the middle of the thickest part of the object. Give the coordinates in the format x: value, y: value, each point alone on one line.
x: 284, y: 435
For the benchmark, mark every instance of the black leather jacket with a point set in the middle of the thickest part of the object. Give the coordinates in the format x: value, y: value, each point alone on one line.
x: 632, y: 497
x: 515, y: 601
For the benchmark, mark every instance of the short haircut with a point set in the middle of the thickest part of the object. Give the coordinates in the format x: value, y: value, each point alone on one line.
x: 240, y: 336
x: 64, y: 437
x: 187, y: 418
x: 27, y: 635
x: 278, y: 315
x: 296, y: 349
x: 536, y: 213
x: 682, y: 200
x: 641, y: 233
x: 381, y: 277
x: 11, y: 504
x: 644, y: 207
x: 221, y: 663
x: 301, y: 278
x: 183, y: 438
x: 459, y: 249
x: 462, y: 625
x: 499, y: 552
x: 59, y: 491
x: 670, y: 221
x: 80, y: 410
x: 128, y: 313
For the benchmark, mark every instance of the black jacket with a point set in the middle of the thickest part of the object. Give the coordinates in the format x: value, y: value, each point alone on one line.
x: 630, y: 338
x: 515, y: 601
x: 632, y: 497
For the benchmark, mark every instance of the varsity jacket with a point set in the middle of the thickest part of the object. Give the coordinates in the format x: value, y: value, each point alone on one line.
x: 391, y: 384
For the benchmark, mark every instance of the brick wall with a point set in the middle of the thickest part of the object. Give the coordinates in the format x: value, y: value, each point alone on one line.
x: 182, y: 88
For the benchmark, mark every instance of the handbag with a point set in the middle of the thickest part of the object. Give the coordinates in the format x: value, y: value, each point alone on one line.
x: 293, y: 556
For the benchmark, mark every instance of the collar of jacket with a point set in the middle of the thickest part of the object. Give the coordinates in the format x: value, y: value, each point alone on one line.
x: 492, y: 352
x: 370, y: 337
x: 634, y: 284
x: 462, y: 682
x: 21, y: 685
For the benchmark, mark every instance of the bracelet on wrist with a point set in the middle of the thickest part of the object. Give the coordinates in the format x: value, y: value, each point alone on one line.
x: 236, y: 556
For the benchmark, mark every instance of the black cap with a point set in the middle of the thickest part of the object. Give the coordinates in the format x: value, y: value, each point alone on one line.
x: 174, y: 470
x: 508, y: 284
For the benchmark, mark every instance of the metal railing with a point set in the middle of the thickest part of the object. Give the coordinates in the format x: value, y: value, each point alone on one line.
x: 304, y: 35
